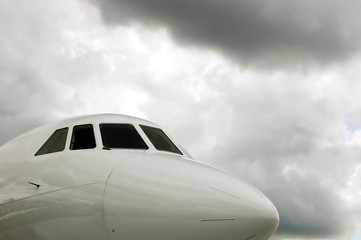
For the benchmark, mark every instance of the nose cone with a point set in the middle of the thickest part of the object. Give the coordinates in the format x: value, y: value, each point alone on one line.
x: 240, y: 207
x: 254, y: 214
x: 263, y: 219
x: 162, y: 197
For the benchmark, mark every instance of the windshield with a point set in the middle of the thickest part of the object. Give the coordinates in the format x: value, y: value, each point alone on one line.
x: 55, y: 143
x: 116, y: 135
x: 160, y: 140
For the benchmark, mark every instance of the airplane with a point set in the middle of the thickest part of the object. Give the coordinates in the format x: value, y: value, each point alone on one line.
x: 117, y: 177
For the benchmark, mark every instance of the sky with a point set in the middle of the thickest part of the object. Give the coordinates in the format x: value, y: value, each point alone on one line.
x: 267, y: 90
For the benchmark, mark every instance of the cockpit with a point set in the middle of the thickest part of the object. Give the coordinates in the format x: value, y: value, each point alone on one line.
x: 110, y: 136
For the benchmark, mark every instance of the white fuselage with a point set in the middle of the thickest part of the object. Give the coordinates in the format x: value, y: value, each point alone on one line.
x: 124, y: 194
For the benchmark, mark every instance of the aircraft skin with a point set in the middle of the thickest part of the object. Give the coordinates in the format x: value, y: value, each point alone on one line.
x: 120, y: 193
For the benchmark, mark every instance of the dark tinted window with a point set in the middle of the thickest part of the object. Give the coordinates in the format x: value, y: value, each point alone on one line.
x: 121, y: 136
x: 160, y: 140
x: 82, y: 137
x: 55, y: 143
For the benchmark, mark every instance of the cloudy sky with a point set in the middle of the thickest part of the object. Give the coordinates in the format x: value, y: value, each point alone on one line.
x: 268, y: 90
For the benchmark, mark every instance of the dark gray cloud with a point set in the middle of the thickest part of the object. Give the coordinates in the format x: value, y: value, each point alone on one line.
x: 254, y: 32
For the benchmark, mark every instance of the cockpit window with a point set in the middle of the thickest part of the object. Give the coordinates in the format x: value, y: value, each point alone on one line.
x: 55, y: 143
x: 116, y: 135
x: 82, y: 137
x: 160, y: 140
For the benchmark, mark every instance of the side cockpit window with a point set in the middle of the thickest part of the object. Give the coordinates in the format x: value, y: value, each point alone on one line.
x: 82, y: 137
x: 116, y: 135
x: 160, y: 140
x: 55, y: 143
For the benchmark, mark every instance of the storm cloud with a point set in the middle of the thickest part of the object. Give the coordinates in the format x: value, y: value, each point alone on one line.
x: 270, y: 34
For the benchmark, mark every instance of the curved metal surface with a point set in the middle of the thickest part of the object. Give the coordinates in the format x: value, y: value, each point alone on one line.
x: 122, y: 194
x: 167, y: 197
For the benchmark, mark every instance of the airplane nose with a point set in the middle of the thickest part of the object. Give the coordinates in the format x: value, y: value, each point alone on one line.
x: 242, y: 208
x: 165, y: 197
x: 253, y: 213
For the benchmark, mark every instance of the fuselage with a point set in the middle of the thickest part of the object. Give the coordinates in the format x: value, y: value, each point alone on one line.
x: 117, y: 177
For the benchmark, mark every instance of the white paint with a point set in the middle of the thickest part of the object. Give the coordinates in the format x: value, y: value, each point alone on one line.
x: 122, y: 194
